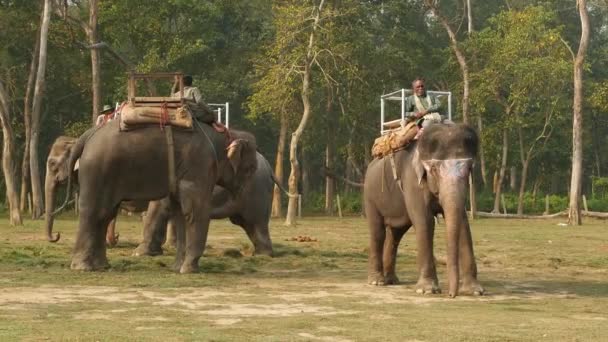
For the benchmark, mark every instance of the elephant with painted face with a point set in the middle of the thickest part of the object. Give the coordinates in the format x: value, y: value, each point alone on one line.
x: 428, y: 177
x: 250, y: 210
x: 116, y: 166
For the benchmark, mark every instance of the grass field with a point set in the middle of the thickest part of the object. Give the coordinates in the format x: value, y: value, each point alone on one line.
x: 544, y: 282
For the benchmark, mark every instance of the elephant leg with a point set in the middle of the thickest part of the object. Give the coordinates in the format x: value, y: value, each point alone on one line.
x: 171, y: 239
x: 468, y: 267
x: 258, y: 235
x: 155, y: 226
x: 427, y: 273
x: 111, y: 236
x: 90, y: 247
x: 179, y: 226
x: 391, y: 245
x: 377, y: 234
x: 196, y: 210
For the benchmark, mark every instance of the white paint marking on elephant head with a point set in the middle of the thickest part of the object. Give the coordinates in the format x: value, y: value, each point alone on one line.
x: 444, y: 168
x: 450, y: 168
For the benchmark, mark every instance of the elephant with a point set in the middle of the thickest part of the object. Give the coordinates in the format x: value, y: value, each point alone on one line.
x: 57, y: 172
x: 251, y: 210
x: 134, y: 165
x: 410, y: 187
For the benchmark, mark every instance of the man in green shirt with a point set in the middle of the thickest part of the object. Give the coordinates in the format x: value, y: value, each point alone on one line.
x: 421, y: 106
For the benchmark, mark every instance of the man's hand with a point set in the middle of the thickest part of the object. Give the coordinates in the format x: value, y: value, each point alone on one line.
x: 421, y: 114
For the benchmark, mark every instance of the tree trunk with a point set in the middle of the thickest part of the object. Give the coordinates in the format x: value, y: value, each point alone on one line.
x: 294, y: 174
x: 574, y: 210
x: 278, y: 168
x: 330, y: 147
x: 36, y: 109
x: 522, y: 186
x: 8, y: 159
x: 305, y: 173
x: 462, y: 62
x: 482, y: 157
x: 596, y: 148
x: 27, y: 121
x: 503, y: 168
x: 512, y: 178
x: 95, y: 61
x: 292, y: 206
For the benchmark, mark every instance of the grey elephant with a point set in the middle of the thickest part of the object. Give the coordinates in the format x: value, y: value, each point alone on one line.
x: 250, y: 210
x: 115, y: 166
x: 57, y: 172
x: 428, y: 177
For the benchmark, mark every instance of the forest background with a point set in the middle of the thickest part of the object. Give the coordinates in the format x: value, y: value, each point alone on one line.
x: 306, y: 78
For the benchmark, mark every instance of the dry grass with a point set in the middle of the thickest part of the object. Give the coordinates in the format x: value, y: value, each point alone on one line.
x: 544, y: 281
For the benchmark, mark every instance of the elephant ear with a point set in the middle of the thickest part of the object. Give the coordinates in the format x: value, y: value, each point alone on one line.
x: 233, y: 151
x: 419, y: 167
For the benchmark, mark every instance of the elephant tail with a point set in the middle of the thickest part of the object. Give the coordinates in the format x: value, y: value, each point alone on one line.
x: 74, y: 156
x: 276, y: 181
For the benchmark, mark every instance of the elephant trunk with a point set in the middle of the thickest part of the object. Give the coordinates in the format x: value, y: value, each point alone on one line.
x: 50, y: 187
x: 454, y: 176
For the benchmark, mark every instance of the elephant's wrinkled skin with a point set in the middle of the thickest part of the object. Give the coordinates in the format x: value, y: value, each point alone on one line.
x: 434, y: 174
x: 115, y: 166
x: 250, y: 210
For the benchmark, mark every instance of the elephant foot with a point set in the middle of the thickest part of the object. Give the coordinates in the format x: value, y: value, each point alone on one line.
x: 89, y: 264
x: 427, y: 286
x: 376, y: 279
x: 263, y: 251
x: 391, y: 279
x: 189, y: 267
x: 112, y: 241
x: 146, y: 249
x: 472, y: 287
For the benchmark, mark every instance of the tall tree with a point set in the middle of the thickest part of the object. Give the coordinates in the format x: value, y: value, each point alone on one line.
x: 90, y: 28
x: 8, y: 158
x: 37, y: 205
x: 464, y: 68
x: 574, y: 209
x: 27, y: 122
x: 306, y: 76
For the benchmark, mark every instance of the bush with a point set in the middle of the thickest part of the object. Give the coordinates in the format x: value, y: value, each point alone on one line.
x: 557, y: 203
x: 351, y: 203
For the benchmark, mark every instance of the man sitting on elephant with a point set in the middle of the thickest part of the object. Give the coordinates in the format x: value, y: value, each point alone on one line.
x: 421, y: 106
x: 195, y: 102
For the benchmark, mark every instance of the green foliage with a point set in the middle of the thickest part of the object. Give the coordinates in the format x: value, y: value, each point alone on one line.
x: 599, y: 187
x: 76, y: 129
x: 536, y: 205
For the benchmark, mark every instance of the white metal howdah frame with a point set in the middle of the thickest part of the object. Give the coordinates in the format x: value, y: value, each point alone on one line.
x: 220, y: 108
x: 401, y: 95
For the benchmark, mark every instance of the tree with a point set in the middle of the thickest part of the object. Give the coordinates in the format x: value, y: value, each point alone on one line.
x: 8, y: 158
x: 574, y: 209
x: 520, y: 65
x: 462, y: 62
x: 38, y: 205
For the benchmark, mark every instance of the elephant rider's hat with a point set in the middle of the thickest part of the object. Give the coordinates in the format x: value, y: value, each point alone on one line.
x: 107, y: 109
